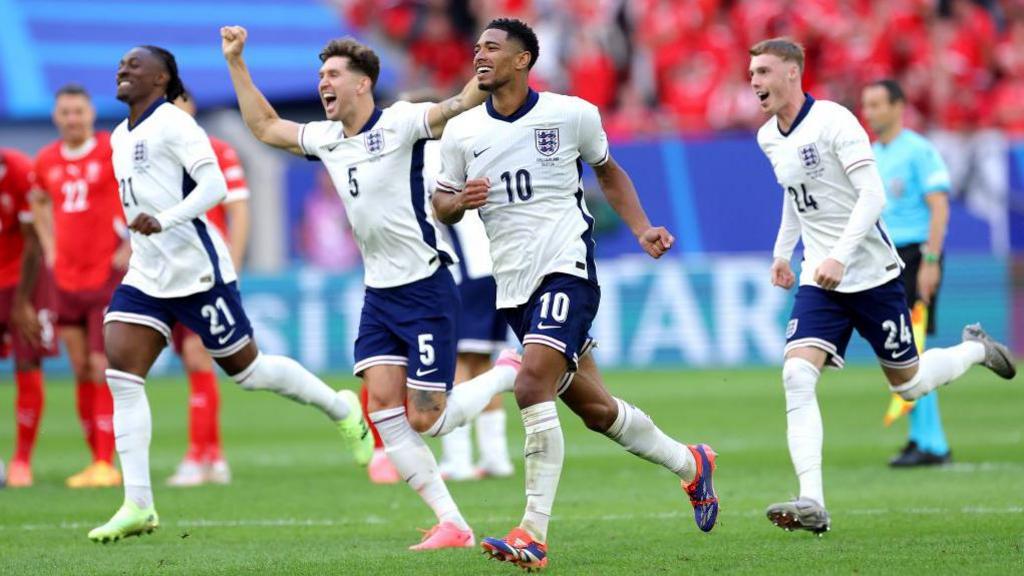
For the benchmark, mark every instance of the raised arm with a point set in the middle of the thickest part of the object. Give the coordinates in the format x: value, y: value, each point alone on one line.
x: 621, y: 194
x: 259, y: 115
x: 439, y: 115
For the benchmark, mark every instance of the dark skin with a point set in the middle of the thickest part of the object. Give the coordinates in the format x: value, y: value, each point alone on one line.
x: 502, y: 66
x: 142, y: 80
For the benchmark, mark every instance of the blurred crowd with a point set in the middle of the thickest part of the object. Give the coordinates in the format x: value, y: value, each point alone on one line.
x: 656, y: 66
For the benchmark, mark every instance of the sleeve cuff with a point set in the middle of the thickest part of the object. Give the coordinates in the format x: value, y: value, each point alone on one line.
x: 443, y: 187
x: 604, y: 159
x: 200, y: 162
x: 858, y: 164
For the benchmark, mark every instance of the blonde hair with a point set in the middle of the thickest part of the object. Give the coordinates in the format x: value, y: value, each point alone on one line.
x: 784, y: 48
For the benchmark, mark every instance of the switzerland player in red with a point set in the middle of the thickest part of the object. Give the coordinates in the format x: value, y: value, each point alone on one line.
x: 25, y: 307
x: 79, y: 222
x: 204, y: 461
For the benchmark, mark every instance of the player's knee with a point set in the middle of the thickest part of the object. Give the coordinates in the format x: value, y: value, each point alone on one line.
x: 421, y: 422
x: 910, y: 390
x: 259, y: 375
x: 799, y: 378
x: 424, y: 409
x: 531, y: 388
x: 599, y: 416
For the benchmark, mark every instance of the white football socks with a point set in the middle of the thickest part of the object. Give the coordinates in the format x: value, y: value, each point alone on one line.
x: 941, y: 366
x: 804, y: 430
x: 133, y: 428
x: 639, y: 435
x: 457, y: 449
x: 415, y: 463
x: 491, y: 441
x: 288, y: 378
x: 467, y: 400
x: 544, y: 453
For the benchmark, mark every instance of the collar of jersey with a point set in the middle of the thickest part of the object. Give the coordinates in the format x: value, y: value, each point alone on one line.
x: 372, y: 121
x: 804, y: 110
x: 149, y: 112
x: 531, y: 101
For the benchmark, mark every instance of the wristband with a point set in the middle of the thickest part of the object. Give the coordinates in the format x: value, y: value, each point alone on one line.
x: 930, y: 257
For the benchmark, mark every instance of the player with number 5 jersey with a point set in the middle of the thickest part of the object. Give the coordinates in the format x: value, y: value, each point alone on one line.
x: 180, y: 271
x: 833, y: 198
x: 405, y: 350
x: 518, y: 159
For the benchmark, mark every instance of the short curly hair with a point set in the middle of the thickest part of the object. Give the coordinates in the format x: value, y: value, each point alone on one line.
x: 361, y: 58
x: 521, y: 32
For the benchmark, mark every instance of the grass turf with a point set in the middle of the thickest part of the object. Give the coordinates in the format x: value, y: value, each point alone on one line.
x: 299, y: 506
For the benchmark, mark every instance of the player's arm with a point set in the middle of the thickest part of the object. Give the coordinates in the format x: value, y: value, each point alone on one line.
x: 210, y: 190
x: 238, y: 229
x: 439, y: 114
x: 42, y: 215
x: 936, y: 177
x: 618, y: 188
x: 785, y: 242
x: 258, y: 114
x: 24, y: 314
x: 453, y: 194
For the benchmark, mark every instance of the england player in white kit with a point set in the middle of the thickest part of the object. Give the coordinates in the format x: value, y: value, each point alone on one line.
x: 180, y: 271
x: 833, y: 198
x: 518, y: 159
x: 406, y: 343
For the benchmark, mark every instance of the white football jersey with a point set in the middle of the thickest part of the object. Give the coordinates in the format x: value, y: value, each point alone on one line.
x: 535, y: 216
x: 468, y: 238
x: 379, y: 175
x: 153, y: 162
x: 811, y: 163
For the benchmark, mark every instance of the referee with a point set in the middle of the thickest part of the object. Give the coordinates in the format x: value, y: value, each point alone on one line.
x: 917, y: 184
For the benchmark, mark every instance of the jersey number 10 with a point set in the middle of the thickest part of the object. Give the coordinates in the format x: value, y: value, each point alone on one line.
x: 524, y: 186
x: 803, y: 201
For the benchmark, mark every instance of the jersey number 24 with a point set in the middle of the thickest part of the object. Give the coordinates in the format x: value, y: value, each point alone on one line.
x: 802, y: 199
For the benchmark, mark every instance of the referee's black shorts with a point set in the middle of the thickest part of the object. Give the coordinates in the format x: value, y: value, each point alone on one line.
x: 912, y: 256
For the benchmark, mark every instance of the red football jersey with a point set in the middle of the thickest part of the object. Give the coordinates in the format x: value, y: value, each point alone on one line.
x: 16, y: 181
x: 87, y: 211
x: 238, y: 189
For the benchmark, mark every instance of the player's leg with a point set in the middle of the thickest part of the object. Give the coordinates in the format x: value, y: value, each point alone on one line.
x: 412, y: 458
x: 136, y: 330
x: 203, y: 401
x: 380, y: 470
x: 456, y: 446
x: 76, y: 343
x: 635, y: 431
x: 219, y: 319
x: 817, y: 334
x: 28, y: 405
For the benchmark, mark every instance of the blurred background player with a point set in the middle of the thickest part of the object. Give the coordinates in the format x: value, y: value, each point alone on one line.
x: 204, y: 460
x: 80, y: 225
x: 180, y: 271
x: 405, y: 348
x: 26, y: 307
x: 917, y: 188
x: 833, y: 198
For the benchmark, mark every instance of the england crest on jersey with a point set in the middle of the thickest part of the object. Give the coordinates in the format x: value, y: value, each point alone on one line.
x: 374, y: 140
x: 140, y: 155
x: 809, y: 156
x: 546, y: 140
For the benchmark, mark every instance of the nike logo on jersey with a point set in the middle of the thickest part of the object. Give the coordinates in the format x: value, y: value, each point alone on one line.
x: 331, y: 147
x: 543, y: 326
x: 896, y: 355
x: 226, y: 337
x: 477, y: 154
x: 420, y: 373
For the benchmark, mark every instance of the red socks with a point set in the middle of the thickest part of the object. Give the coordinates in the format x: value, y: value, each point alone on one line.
x: 28, y: 412
x: 96, y: 414
x: 204, y: 418
x: 364, y: 399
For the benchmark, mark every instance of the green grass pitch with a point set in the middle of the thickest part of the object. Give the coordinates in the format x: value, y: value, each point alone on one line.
x: 299, y: 506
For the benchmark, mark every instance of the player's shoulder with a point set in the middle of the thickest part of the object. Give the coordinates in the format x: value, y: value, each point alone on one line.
x: 14, y: 158
x: 916, y: 141
x: 768, y: 131
x: 49, y: 154
x: 834, y: 116
x: 564, y: 103
x: 467, y: 122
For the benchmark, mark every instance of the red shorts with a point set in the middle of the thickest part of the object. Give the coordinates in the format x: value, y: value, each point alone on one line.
x: 85, y: 309
x: 44, y: 300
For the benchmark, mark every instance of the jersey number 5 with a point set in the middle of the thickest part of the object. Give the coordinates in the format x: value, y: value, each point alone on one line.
x: 802, y: 199
x: 353, y: 184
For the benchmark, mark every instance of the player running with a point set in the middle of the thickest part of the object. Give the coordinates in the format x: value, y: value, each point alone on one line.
x: 833, y: 199
x: 917, y: 186
x: 26, y: 308
x: 80, y: 222
x: 204, y: 460
x: 405, y: 349
x: 180, y: 271
x: 519, y: 160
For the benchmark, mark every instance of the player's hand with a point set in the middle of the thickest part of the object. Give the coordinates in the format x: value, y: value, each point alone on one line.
x: 145, y: 224
x: 829, y: 274
x: 928, y: 281
x: 782, y: 274
x: 26, y: 321
x: 232, y: 41
x: 656, y: 241
x: 474, y: 195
